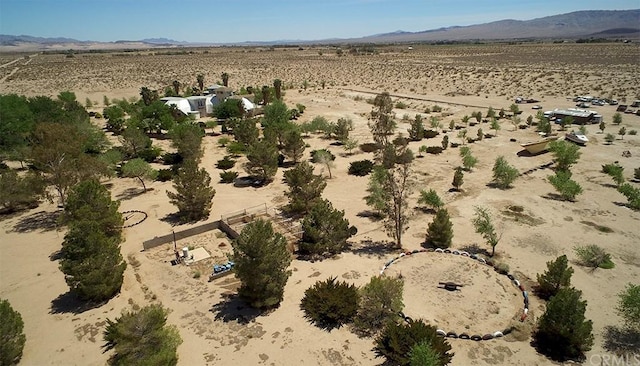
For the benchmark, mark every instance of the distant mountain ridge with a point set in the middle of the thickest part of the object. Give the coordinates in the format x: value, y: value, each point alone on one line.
x: 579, y: 24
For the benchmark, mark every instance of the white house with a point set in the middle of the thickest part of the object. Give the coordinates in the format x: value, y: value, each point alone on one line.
x: 182, y: 104
x: 203, y: 103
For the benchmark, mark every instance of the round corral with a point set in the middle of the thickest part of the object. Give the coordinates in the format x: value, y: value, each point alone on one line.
x: 483, y: 301
x: 133, y: 217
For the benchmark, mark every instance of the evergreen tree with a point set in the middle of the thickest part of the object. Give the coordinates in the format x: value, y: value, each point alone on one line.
x: 629, y: 306
x: 91, y: 201
x: 142, y: 338
x: 293, y: 145
x: 330, y: 304
x: 382, y: 120
x: 468, y: 160
x: 305, y: 188
x: 263, y: 160
x: 431, y: 199
x: 261, y: 261
x: 563, y: 333
x: 325, y: 230
x: 380, y: 304
x: 194, y: 193
x: 12, y: 338
x: 246, y: 132
x: 277, y: 85
x: 342, y: 129
x: 556, y: 277
x: 458, y: 178
x: 440, y: 231
x: 422, y: 354
x: 397, y: 342
x: 187, y: 139
x: 91, y: 262
x: 416, y: 132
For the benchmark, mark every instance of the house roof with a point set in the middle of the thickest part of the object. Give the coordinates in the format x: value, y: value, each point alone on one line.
x: 581, y: 113
x: 181, y: 103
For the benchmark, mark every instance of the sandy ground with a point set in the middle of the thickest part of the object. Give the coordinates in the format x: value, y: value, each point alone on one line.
x: 218, y: 328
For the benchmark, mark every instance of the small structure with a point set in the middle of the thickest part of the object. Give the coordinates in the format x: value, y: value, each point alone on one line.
x: 182, y: 104
x: 203, y: 104
x: 580, y: 116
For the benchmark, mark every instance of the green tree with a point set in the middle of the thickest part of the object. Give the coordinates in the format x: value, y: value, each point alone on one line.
x: 12, y: 338
x: 632, y: 193
x: 565, y: 154
x: 342, y: 129
x: 134, y: 142
x: 416, y: 132
x: 491, y: 113
x: 329, y: 304
x: 622, y: 132
x: 325, y: 158
x: 431, y: 199
x: 277, y: 120
x: 325, y: 230
x: 139, y: 169
x: 593, y: 256
x: 262, y: 160
x: 563, y: 333
x: 563, y: 183
x: 246, y: 131
x: 16, y: 124
x: 148, y: 96
x: 458, y: 178
x: 380, y: 304
x: 544, y: 126
x: 91, y: 201
x: 462, y: 134
x: 617, y: 119
x: 293, y: 145
x: 483, y: 224
x: 382, y: 120
x: 422, y: 354
x: 397, y: 341
x: 503, y: 173
x: 629, y: 305
x: 187, y: 139
x: 514, y: 109
x: 91, y: 262
x: 261, y: 261
x: 602, y: 126
x: 18, y: 191
x: 609, y: 138
x: 194, y: 193
x: 305, y: 188
x: 440, y: 231
x: 277, y: 85
x: 468, y: 160
x: 142, y: 338
x: 556, y: 277
x: 230, y: 108
x: 115, y: 118
x: 495, y: 125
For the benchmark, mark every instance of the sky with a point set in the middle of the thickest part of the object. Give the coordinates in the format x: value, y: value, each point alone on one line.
x: 227, y: 21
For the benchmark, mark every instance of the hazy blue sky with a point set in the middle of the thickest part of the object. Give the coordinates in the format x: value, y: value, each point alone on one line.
x: 264, y: 20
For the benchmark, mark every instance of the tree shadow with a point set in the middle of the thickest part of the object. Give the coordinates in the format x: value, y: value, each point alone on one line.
x: 369, y: 214
x: 69, y: 303
x: 555, y: 197
x: 57, y: 255
x: 475, y: 249
x: 232, y: 308
x: 132, y: 192
x: 495, y: 185
x: 622, y: 340
x: 173, y: 219
x: 378, y: 249
x: 42, y: 220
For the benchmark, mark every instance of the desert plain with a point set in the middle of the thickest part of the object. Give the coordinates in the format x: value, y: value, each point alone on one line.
x: 217, y: 328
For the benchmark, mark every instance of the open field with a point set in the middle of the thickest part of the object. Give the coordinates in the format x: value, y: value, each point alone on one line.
x: 217, y: 328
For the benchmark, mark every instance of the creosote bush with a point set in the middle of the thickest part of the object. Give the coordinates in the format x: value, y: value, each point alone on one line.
x: 594, y: 256
x: 329, y: 304
x: 228, y: 176
x: 397, y: 341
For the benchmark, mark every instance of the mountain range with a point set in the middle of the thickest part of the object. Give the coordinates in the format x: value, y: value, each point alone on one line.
x: 579, y: 24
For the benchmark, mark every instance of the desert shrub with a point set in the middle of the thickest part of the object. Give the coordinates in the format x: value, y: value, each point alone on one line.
x: 636, y: 173
x: 430, y: 198
x: 434, y: 150
x: 632, y: 193
x: 609, y: 138
x: 380, y: 303
x: 330, y: 304
x: 236, y: 148
x: 401, y: 105
x: 502, y: 268
x: 440, y: 231
x: 225, y: 163
x: 567, y: 188
x: 594, y: 256
x: 429, y: 134
x: 436, y: 109
x: 629, y: 305
x: 397, y: 341
x: 361, y: 168
x: 615, y: 171
x: 150, y: 154
x: 369, y: 147
x: 315, y: 155
x: 563, y: 332
x: 632, y: 132
x: 223, y: 141
x: 12, y: 338
x: 556, y: 277
x: 503, y: 173
x: 171, y: 158
x: 228, y: 176
x: 165, y: 175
